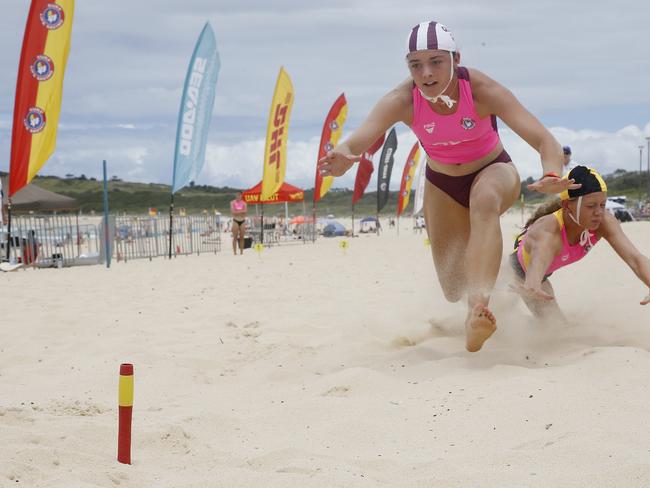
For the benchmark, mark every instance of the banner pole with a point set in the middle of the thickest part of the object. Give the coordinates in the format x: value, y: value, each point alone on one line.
x: 286, y: 218
x: 171, y: 226
x: 107, y: 241
x: 262, y: 226
x: 313, y: 217
x: 8, y: 228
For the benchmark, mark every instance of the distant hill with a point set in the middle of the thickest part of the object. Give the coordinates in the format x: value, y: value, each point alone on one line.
x: 137, y: 198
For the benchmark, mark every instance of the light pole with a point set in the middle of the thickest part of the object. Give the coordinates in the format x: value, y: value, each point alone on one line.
x: 647, y: 139
x: 640, y: 171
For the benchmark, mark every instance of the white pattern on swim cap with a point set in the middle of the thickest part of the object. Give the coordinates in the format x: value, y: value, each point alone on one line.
x: 430, y: 35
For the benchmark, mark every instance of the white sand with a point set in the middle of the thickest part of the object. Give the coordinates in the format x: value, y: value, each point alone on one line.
x: 310, y: 367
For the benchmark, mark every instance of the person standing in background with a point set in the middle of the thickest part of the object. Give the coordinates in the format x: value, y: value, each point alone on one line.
x: 238, y: 210
x: 568, y: 162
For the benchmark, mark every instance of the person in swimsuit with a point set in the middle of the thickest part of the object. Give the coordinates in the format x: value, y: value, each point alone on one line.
x: 563, y: 232
x: 471, y: 180
x: 238, y: 211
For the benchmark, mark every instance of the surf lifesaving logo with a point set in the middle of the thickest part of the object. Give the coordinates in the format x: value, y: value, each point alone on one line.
x: 52, y: 16
x: 467, y: 123
x: 42, y: 68
x: 429, y: 127
x: 35, y: 120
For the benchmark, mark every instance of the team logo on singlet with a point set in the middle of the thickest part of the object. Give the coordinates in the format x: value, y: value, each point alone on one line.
x: 467, y: 123
x: 52, y: 16
x: 565, y: 258
x: 35, y: 120
x: 429, y: 127
x: 42, y: 68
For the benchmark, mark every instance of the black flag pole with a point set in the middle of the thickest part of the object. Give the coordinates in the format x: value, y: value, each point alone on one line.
x: 8, y: 228
x: 171, y: 226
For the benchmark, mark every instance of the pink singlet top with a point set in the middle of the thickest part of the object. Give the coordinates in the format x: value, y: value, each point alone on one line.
x: 238, y: 206
x: 569, y: 254
x: 461, y: 137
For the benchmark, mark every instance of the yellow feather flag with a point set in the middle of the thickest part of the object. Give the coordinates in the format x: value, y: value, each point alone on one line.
x: 275, y: 151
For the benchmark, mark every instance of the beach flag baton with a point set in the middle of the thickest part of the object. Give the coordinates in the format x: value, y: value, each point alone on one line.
x: 125, y: 407
x: 344, y: 245
x: 259, y: 248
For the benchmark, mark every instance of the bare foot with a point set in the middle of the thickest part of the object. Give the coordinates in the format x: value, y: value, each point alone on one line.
x: 479, y: 326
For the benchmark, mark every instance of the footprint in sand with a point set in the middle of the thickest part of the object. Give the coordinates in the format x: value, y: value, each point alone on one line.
x: 251, y: 333
x: 76, y: 408
x: 337, y: 391
x: 439, y: 328
x: 15, y: 416
x: 404, y: 341
x: 297, y: 470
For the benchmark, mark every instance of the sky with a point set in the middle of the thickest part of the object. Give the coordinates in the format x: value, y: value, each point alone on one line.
x: 581, y: 67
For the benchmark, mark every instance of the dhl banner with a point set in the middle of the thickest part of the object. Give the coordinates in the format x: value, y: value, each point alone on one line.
x: 39, y: 88
x: 407, y: 178
x: 332, y: 130
x: 275, y: 151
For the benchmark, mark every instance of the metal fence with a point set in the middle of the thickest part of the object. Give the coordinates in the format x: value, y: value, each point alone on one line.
x: 277, y: 232
x: 67, y: 240
x: 50, y: 240
x: 148, y: 237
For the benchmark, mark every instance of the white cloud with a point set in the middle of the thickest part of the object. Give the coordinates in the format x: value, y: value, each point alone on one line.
x: 240, y: 165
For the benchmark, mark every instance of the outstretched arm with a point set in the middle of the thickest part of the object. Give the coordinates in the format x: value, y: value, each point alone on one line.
x: 494, y: 98
x: 392, y: 108
x: 612, y: 231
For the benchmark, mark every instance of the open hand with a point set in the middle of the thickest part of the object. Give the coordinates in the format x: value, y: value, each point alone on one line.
x: 336, y: 164
x: 531, y: 292
x: 553, y: 184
